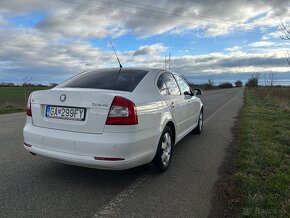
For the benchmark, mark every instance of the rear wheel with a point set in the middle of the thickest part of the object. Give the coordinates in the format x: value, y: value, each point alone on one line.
x: 198, y: 129
x: 164, y: 150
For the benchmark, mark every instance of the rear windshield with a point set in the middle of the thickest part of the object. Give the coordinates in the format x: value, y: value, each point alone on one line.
x: 112, y: 79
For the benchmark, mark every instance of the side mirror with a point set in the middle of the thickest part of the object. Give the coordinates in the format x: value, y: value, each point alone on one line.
x: 187, y: 93
x: 197, y: 91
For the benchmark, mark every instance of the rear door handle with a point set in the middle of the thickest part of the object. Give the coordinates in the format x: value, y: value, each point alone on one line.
x: 172, y: 104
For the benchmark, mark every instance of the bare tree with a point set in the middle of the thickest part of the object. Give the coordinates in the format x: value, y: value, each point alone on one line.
x: 257, y: 75
x: 239, y: 83
x: 272, y: 77
x: 253, y: 82
x: 25, y: 82
x: 285, y: 35
x: 266, y: 81
x: 285, y: 31
x: 287, y: 56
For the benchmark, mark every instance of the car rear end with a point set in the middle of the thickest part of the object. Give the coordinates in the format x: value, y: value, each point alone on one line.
x: 91, y: 120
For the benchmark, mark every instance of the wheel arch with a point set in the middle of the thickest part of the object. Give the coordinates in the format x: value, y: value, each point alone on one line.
x: 171, y: 125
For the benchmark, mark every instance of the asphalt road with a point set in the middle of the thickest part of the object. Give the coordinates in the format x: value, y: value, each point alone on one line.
x: 32, y: 186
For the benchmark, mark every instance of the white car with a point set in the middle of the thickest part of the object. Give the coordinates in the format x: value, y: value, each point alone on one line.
x: 113, y: 118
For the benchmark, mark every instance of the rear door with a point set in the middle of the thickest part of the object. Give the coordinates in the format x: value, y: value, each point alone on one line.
x: 174, y: 100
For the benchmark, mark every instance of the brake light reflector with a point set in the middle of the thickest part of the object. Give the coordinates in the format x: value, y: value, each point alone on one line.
x: 122, y: 112
x: 26, y: 144
x: 109, y: 158
x: 28, y: 107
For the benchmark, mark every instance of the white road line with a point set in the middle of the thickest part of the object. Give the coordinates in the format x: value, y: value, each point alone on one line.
x: 109, y: 209
x: 218, y: 110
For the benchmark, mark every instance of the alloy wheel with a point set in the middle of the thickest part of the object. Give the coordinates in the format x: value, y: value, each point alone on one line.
x: 166, y: 149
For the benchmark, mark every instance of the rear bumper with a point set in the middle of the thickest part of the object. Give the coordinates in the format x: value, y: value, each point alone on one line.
x: 136, y: 148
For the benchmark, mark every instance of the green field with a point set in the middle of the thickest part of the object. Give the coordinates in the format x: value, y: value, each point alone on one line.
x: 12, y: 99
x: 262, y: 176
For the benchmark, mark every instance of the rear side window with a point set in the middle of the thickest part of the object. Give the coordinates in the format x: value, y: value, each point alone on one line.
x: 161, y: 86
x: 111, y: 79
x: 171, y: 83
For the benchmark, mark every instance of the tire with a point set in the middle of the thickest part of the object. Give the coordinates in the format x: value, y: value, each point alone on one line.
x: 164, y: 151
x: 198, y: 129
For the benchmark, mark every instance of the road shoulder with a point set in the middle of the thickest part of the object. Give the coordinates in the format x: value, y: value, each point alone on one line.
x: 224, y: 187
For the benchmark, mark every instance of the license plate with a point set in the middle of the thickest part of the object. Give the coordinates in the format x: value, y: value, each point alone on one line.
x: 67, y: 113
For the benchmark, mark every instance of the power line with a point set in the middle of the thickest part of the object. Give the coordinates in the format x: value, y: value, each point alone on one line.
x: 169, y: 13
x: 34, y: 59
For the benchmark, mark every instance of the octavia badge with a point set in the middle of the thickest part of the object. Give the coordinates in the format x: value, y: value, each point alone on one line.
x: 62, y: 98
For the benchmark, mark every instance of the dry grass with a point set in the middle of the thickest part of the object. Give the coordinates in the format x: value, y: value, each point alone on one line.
x: 278, y: 95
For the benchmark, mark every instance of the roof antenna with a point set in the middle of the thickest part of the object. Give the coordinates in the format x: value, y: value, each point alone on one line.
x: 116, y: 56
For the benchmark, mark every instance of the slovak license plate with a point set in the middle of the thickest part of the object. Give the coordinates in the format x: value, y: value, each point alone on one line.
x: 67, y: 113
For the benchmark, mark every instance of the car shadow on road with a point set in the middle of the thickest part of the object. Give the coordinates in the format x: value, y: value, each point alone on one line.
x: 83, y: 174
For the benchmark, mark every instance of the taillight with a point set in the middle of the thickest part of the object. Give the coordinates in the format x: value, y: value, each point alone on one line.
x: 122, y: 112
x: 28, y: 107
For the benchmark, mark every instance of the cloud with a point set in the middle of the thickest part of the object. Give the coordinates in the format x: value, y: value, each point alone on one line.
x: 33, y: 53
x: 2, y: 21
x: 59, y: 45
x: 234, y: 49
x: 150, y: 49
x: 262, y: 44
x: 217, y: 63
x: 99, y: 19
x: 272, y: 35
x: 84, y: 23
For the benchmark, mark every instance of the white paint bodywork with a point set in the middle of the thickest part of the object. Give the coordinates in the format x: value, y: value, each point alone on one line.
x: 78, y: 142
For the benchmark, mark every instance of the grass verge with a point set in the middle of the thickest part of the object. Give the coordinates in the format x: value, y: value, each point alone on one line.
x: 255, y: 176
x: 13, y: 99
x: 262, y: 176
x: 10, y: 109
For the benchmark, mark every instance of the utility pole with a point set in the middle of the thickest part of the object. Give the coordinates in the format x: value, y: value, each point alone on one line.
x: 169, y: 61
x: 165, y: 62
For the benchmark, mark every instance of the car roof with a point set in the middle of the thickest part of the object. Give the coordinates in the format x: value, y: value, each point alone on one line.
x: 150, y: 70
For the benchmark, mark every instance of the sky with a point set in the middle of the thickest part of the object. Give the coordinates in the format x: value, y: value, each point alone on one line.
x: 50, y: 41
